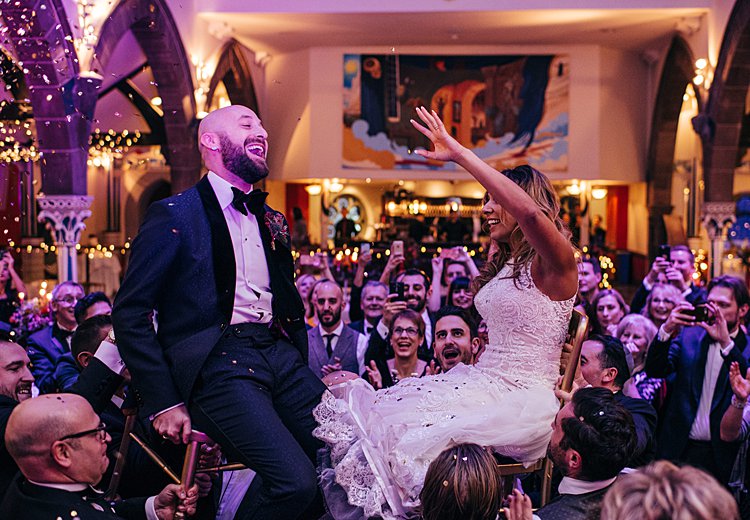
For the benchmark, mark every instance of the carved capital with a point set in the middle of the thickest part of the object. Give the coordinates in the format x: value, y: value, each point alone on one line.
x: 64, y: 215
x: 717, y: 216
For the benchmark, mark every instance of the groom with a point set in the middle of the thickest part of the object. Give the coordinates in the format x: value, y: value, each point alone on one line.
x: 230, y: 355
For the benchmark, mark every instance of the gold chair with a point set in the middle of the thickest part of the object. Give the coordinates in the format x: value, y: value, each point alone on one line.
x: 569, y: 365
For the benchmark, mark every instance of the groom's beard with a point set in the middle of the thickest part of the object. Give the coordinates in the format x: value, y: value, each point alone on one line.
x: 237, y: 161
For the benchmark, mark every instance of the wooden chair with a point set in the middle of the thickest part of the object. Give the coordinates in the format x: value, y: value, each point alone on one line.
x: 569, y: 362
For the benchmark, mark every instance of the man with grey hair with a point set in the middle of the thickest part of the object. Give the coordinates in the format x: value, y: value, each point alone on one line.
x: 47, y: 345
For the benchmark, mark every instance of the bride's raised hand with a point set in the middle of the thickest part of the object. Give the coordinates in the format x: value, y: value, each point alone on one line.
x: 446, y: 147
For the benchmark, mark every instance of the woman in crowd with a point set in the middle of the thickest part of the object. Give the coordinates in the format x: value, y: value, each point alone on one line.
x: 447, y: 266
x: 405, y: 334
x: 660, y: 302
x: 305, y: 284
x: 636, y: 333
x: 663, y: 490
x: 10, y: 285
x: 606, y: 311
x: 460, y: 293
x: 525, y: 293
x: 462, y: 483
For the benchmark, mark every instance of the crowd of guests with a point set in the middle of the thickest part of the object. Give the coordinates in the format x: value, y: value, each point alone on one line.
x: 662, y: 378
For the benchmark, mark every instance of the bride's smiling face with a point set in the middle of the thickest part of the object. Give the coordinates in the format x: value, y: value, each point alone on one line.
x: 500, y: 222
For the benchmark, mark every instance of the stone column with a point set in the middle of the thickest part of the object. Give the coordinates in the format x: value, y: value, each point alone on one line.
x: 717, y: 217
x: 64, y: 215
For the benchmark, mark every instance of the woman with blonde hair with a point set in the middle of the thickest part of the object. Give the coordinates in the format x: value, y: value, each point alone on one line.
x: 382, y: 443
x: 660, y: 302
x: 606, y: 311
x: 662, y: 490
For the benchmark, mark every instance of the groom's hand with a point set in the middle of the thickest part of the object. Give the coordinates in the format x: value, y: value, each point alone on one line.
x: 174, y: 425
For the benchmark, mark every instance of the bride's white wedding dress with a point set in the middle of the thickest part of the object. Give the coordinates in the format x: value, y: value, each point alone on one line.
x: 381, y: 443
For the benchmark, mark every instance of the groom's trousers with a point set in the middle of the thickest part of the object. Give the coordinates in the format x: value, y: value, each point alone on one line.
x: 254, y: 396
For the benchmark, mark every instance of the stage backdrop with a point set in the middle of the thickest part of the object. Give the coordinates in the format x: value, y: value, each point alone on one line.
x: 509, y: 110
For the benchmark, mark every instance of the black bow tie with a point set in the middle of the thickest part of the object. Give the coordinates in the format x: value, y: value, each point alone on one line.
x: 253, y: 201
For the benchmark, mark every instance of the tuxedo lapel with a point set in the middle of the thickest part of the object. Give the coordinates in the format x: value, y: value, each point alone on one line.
x: 221, y: 247
x: 722, y: 383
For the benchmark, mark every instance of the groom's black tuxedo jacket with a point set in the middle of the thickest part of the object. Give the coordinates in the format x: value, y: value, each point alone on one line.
x: 182, y: 264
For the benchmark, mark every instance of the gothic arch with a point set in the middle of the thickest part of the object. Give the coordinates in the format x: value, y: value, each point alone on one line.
x: 154, y: 28
x: 234, y: 71
x: 721, y: 122
x: 676, y: 75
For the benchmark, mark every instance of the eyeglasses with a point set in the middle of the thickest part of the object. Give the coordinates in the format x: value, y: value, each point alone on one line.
x: 67, y: 300
x: 410, y: 331
x: 100, y: 431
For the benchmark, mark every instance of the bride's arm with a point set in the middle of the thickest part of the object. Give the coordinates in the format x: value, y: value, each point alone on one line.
x: 556, y: 255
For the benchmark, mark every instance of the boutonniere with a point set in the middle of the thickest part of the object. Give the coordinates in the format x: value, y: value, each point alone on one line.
x: 278, y: 228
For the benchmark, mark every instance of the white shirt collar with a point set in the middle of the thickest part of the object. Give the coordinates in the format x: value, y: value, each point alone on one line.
x: 574, y: 486
x: 73, y: 487
x: 222, y: 188
x: 336, y: 332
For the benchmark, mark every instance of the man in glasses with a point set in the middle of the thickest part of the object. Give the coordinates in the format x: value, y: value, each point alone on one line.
x: 47, y: 345
x: 60, y: 446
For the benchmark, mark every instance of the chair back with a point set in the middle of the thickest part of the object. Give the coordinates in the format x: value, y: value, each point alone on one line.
x: 571, y: 355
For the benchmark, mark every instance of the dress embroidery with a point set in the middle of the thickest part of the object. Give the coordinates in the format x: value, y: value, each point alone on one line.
x: 381, y: 443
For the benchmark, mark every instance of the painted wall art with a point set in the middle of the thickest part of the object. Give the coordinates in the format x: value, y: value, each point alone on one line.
x: 509, y: 110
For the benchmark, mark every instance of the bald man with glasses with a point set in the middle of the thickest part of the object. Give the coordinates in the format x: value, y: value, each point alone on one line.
x: 60, y: 446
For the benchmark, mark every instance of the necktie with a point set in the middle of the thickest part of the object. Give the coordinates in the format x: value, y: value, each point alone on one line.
x: 253, y: 201
x: 329, y: 346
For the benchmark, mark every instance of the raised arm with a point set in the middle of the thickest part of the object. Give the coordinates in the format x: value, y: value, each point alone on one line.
x: 555, y: 254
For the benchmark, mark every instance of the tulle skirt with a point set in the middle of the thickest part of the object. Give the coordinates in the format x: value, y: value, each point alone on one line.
x: 380, y: 444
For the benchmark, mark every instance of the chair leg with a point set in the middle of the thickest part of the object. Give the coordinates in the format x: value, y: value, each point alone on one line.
x: 546, y: 482
x: 190, y: 465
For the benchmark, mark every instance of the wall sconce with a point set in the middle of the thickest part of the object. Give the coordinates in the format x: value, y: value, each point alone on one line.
x: 598, y: 193
x: 704, y: 74
x: 335, y: 186
x: 574, y: 189
x: 313, y: 189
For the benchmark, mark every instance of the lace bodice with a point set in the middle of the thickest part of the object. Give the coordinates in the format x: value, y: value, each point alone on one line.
x: 526, y: 330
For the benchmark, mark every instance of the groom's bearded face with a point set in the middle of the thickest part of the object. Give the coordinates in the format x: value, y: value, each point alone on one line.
x: 248, y: 166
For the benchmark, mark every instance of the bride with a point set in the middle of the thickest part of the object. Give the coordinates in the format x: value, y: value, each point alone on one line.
x: 381, y: 443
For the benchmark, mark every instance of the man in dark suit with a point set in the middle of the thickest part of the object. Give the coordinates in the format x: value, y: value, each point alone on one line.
x: 592, y: 439
x: 373, y: 297
x: 230, y: 355
x: 604, y: 364
x: 699, y: 355
x: 15, y: 386
x: 333, y: 345
x: 678, y: 271
x: 59, y: 444
x: 47, y: 345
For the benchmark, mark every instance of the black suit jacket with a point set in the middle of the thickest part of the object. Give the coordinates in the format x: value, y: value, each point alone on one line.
x: 44, y: 350
x: 182, y: 264
x: 8, y: 468
x: 645, y: 419
x: 685, y: 357
x: 28, y: 501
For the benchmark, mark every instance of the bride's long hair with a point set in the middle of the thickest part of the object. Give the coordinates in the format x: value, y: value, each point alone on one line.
x: 517, y: 252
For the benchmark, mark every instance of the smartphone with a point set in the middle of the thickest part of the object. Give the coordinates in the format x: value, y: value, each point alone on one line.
x: 364, y: 248
x: 665, y: 251
x: 398, y: 288
x: 397, y: 247
x: 701, y: 313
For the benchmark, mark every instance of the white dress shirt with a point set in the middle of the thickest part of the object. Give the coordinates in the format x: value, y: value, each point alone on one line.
x: 361, y: 343
x: 701, y: 429
x: 252, y: 290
